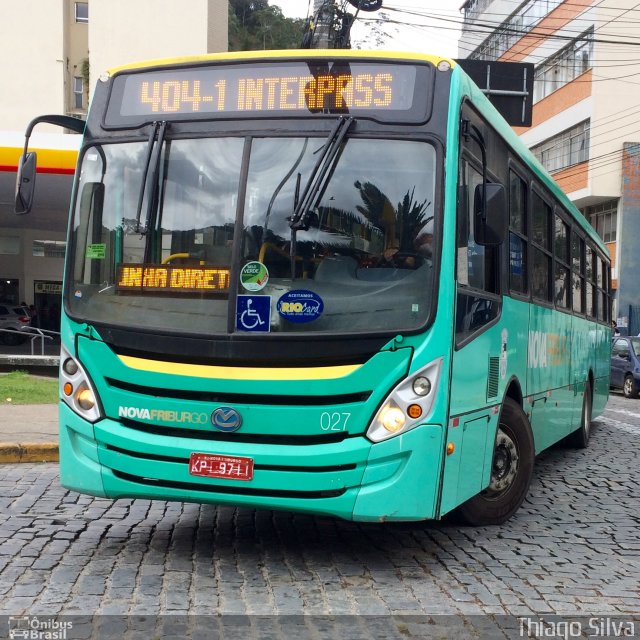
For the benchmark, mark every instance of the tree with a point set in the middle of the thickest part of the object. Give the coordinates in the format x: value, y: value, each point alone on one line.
x: 379, y: 31
x: 255, y: 25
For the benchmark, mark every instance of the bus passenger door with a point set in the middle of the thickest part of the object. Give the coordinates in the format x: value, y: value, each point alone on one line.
x: 476, y: 359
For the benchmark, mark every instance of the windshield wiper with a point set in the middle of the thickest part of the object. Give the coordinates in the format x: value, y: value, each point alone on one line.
x: 159, y: 129
x: 317, y: 180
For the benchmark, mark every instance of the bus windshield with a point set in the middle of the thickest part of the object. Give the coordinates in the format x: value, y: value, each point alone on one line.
x: 204, y: 241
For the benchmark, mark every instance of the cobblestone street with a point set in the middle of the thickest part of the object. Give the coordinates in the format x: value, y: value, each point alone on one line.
x: 572, y: 549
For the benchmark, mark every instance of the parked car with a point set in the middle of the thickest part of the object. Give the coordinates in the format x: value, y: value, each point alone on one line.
x: 625, y: 365
x: 16, y: 318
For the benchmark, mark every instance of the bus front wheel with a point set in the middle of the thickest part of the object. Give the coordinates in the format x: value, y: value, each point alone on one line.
x: 511, y: 471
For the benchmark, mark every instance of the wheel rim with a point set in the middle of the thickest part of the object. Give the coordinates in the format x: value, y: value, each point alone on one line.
x: 628, y: 386
x: 505, y: 465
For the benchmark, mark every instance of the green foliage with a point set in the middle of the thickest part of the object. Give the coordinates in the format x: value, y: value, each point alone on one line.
x: 411, y: 216
x: 404, y: 220
x: 18, y: 387
x: 255, y: 25
x: 375, y: 203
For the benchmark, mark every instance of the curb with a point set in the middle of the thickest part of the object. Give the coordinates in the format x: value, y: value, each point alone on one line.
x: 28, y: 452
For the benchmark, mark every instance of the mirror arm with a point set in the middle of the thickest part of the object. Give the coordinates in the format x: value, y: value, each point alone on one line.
x: 24, y: 196
x: 67, y: 122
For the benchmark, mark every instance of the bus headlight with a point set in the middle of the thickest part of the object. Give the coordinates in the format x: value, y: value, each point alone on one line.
x: 392, y: 418
x: 407, y: 405
x: 76, y: 389
x: 421, y: 385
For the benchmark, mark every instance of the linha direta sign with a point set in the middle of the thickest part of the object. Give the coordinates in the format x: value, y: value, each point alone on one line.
x: 165, y: 278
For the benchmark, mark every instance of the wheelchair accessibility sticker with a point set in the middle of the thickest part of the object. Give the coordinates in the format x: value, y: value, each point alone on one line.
x: 300, y: 306
x: 253, y: 313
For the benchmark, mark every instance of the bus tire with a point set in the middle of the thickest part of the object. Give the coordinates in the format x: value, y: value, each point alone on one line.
x: 630, y: 388
x: 511, y: 471
x: 580, y: 437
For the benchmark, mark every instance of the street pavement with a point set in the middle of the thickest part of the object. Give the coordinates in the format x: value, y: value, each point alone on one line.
x: 572, y: 550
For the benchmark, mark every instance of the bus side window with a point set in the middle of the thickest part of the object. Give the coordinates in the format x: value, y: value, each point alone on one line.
x: 472, y: 258
x: 518, y: 240
x: 561, y: 261
x: 542, y: 249
x: 477, y: 266
x: 577, y: 261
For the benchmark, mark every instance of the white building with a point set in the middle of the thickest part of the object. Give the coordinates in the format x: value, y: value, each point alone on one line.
x: 586, y: 106
x: 51, y: 54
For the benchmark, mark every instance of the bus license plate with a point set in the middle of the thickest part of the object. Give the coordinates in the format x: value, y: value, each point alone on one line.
x: 214, y: 466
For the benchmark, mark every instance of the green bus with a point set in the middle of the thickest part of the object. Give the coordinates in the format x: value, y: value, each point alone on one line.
x: 332, y: 282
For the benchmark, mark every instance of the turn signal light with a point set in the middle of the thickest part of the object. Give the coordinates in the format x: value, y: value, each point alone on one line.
x: 414, y: 411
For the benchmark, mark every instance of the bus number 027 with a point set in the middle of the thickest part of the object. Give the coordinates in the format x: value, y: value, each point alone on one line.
x: 334, y: 421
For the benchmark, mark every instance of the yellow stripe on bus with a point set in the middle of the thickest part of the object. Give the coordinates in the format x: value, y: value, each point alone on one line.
x: 239, y: 373
x: 261, y: 56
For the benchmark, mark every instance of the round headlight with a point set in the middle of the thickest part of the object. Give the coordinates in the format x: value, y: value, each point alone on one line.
x: 70, y: 367
x: 392, y: 419
x: 421, y: 386
x: 86, y: 399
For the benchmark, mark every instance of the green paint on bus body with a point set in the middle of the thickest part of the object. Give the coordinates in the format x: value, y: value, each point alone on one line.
x: 542, y: 356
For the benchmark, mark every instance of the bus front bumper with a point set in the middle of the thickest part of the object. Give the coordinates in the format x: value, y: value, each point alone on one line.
x: 356, y: 480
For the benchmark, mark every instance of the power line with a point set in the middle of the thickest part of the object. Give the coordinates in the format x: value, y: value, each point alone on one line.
x: 543, y: 33
x: 533, y: 33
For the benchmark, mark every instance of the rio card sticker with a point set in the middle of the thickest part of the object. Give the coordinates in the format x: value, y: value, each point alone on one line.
x: 254, y: 276
x: 300, y: 306
x: 253, y: 313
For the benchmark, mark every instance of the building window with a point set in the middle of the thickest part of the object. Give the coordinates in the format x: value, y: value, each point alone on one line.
x: 9, y: 290
x: 78, y: 93
x: 563, y: 67
x: 567, y: 148
x: 49, y: 248
x: 9, y: 245
x: 512, y: 29
x: 82, y: 12
x: 603, y: 218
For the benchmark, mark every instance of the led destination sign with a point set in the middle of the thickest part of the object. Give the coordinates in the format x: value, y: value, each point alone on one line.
x: 165, y: 278
x: 277, y: 89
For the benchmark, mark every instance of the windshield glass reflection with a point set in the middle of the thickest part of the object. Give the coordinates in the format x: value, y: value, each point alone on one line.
x: 360, y: 259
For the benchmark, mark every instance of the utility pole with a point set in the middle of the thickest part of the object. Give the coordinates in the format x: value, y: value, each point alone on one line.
x: 324, y: 12
x: 330, y: 26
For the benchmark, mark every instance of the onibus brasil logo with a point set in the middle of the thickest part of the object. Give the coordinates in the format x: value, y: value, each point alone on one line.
x: 34, y: 628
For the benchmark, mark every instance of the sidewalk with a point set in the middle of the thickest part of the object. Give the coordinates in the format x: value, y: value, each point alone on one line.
x: 28, y: 433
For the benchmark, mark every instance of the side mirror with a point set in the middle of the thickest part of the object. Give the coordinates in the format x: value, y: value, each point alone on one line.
x: 25, y: 183
x: 490, y: 214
